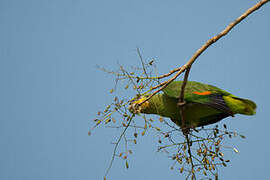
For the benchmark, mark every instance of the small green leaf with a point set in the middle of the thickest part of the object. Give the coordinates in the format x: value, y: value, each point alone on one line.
x: 235, y: 150
x: 113, y: 120
x: 161, y: 119
x: 108, y: 120
x: 98, y: 122
x: 127, y: 166
x: 143, y: 133
x: 182, y: 169
x: 242, y: 136
x: 157, y: 128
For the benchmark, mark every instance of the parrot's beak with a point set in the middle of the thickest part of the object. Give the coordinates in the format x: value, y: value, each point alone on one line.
x: 131, y: 108
x: 134, y: 106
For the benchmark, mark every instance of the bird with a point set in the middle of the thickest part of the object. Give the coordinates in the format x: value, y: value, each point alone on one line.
x: 203, y: 105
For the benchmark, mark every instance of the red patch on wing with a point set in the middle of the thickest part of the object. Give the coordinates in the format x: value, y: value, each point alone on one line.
x: 202, y: 93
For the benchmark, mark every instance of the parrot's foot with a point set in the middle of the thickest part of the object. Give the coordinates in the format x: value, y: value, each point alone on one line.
x: 185, y: 130
x: 181, y: 104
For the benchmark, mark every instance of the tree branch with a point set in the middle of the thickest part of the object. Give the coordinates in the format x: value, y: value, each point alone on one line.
x: 211, y: 41
x: 181, y: 103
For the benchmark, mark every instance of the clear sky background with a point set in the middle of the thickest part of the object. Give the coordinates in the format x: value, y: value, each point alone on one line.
x: 50, y: 89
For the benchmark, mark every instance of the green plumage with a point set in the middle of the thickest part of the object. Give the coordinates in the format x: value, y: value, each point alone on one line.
x: 204, y: 104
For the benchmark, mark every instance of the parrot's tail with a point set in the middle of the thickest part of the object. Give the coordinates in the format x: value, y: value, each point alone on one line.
x: 240, y: 105
x: 250, y: 107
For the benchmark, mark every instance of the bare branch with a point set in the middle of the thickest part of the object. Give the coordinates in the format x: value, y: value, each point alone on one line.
x: 181, y: 97
x: 211, y: 41
x: 181, y: 103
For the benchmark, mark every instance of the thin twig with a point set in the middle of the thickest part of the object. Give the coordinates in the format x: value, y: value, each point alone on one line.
x: 190, y: 156
x: 140, y: 56
x: 185, y: 142
x: 116, y: 145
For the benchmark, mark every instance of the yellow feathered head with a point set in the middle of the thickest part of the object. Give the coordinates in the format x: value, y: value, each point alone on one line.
x: 136, y: 106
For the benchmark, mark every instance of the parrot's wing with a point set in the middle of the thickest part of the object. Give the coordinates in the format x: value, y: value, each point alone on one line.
x: 174, y: 88
x: 200, y: 93
x: 216, y: 101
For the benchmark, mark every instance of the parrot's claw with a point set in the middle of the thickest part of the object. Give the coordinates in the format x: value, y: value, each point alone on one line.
x: 181, y: 103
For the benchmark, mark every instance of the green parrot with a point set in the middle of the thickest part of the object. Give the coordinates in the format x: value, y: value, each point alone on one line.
x: 204, y: 104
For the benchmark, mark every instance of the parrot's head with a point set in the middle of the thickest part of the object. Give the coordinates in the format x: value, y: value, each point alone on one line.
x: 136, y: 106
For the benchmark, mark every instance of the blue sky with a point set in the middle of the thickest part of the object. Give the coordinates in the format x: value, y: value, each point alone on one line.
x: 51, y: 90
